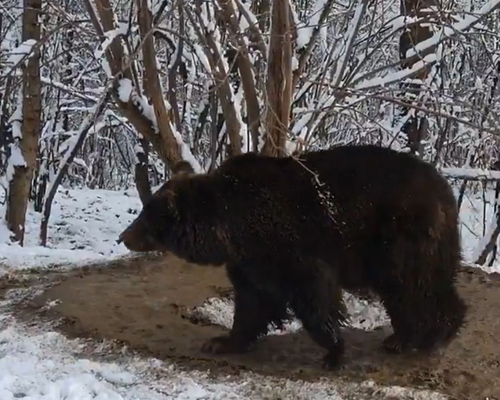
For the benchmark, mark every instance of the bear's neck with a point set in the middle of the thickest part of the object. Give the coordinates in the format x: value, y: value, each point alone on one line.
x: 200, y: 235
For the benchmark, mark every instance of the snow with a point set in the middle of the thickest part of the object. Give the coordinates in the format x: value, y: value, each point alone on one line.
x: 16, y: 159
x: 185, y: 150
x: 109, y: 37
x: 142, y: 105
x: 19, y: 54
x: 126, y: 93
x: 472, y: 218
x: 238, y: 99
x: 16, y: 119
x: 37, y: 363
x: 451, y: 31
x: 481, y: 245
x: 305, y: 31
x: 202, y: 57
x: 362, y: 314
x: 471, y: 173
x: 84, y: 227
x: 461, y: 26
x: 125, y: 89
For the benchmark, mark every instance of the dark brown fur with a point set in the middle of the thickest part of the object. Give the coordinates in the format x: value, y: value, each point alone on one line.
x: 293, y: 233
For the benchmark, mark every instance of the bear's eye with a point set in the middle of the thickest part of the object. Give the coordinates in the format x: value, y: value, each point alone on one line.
x: 151, y: 209
x: 160, y: 209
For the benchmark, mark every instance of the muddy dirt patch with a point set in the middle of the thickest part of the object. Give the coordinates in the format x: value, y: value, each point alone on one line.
x: 147, y: 305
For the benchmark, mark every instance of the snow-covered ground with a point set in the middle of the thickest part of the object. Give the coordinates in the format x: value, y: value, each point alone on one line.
x: 84, y: 226
x: 37, y: 363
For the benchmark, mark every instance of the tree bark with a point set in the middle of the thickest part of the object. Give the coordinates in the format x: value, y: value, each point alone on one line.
x: 152, y: 84
x: 142, y: 172
x: 415, y: 127
x: 221, y: 78
x: 19, y: 187
x: 279, y: 81
x: 245, y: 69
x: 164, y: 144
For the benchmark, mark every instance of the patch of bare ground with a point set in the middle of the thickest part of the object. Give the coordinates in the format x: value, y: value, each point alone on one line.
x: 145, y: 303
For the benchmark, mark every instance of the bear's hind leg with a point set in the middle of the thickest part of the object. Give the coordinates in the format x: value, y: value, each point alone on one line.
x: 420, y: 297
x: 317, y: 302
x: 423, y: 320
x: 254, y: 310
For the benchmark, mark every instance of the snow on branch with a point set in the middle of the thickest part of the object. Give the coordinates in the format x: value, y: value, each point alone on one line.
x: 209, y: 35
x: 426, y: 46
x: 450, y: 31
x: 69, y: 89
x: 252, y: 21
x: 19, y: 55
x: 305, y: 31
x: 109, y: 37
x: 350, y: 36
x: 474, y: 174
x: 308, y: 34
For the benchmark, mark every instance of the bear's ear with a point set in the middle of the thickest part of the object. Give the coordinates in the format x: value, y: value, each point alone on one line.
x: 182, y: 167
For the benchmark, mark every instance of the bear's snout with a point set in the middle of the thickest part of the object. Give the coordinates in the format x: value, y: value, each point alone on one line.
x: 126, y: 237
x: 136, y: 239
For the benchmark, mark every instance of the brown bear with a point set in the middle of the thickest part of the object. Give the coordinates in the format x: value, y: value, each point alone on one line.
x: 293, y: 232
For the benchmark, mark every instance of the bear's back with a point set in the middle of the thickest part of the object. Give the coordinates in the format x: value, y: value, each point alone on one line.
x: 379, y: 175
x: 360, y: 189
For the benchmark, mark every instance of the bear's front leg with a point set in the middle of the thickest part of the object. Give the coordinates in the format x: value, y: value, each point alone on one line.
x: 324, y: 329
x: 394, y: 344
x: 317, y: 302
x: 254, y: 310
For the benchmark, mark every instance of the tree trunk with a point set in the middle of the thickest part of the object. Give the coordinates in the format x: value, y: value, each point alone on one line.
x: 279, y: 81
x: 220, y: 75
x: 27, y: 144
x: 152, y: 83
x: 165, y: 144
x: 245, y: 69
x: 142, y: 172
x: 415, y: 127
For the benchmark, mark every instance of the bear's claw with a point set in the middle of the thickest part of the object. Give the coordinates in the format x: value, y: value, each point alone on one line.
x: 332, y: 361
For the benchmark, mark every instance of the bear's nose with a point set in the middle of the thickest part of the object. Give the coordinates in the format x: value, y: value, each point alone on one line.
x: 124, y: 238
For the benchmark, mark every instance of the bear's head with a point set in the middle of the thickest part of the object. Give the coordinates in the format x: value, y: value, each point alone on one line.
x: 182, y: 217
x: 157, y: 224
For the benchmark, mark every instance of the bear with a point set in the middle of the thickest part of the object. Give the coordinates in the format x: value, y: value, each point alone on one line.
x: 294, y: 232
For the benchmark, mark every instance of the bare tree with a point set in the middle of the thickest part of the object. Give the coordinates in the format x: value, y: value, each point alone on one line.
x: 279, y: 80
x: 168, y: 143
x: 415, y: 126
x: 24, y: 149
